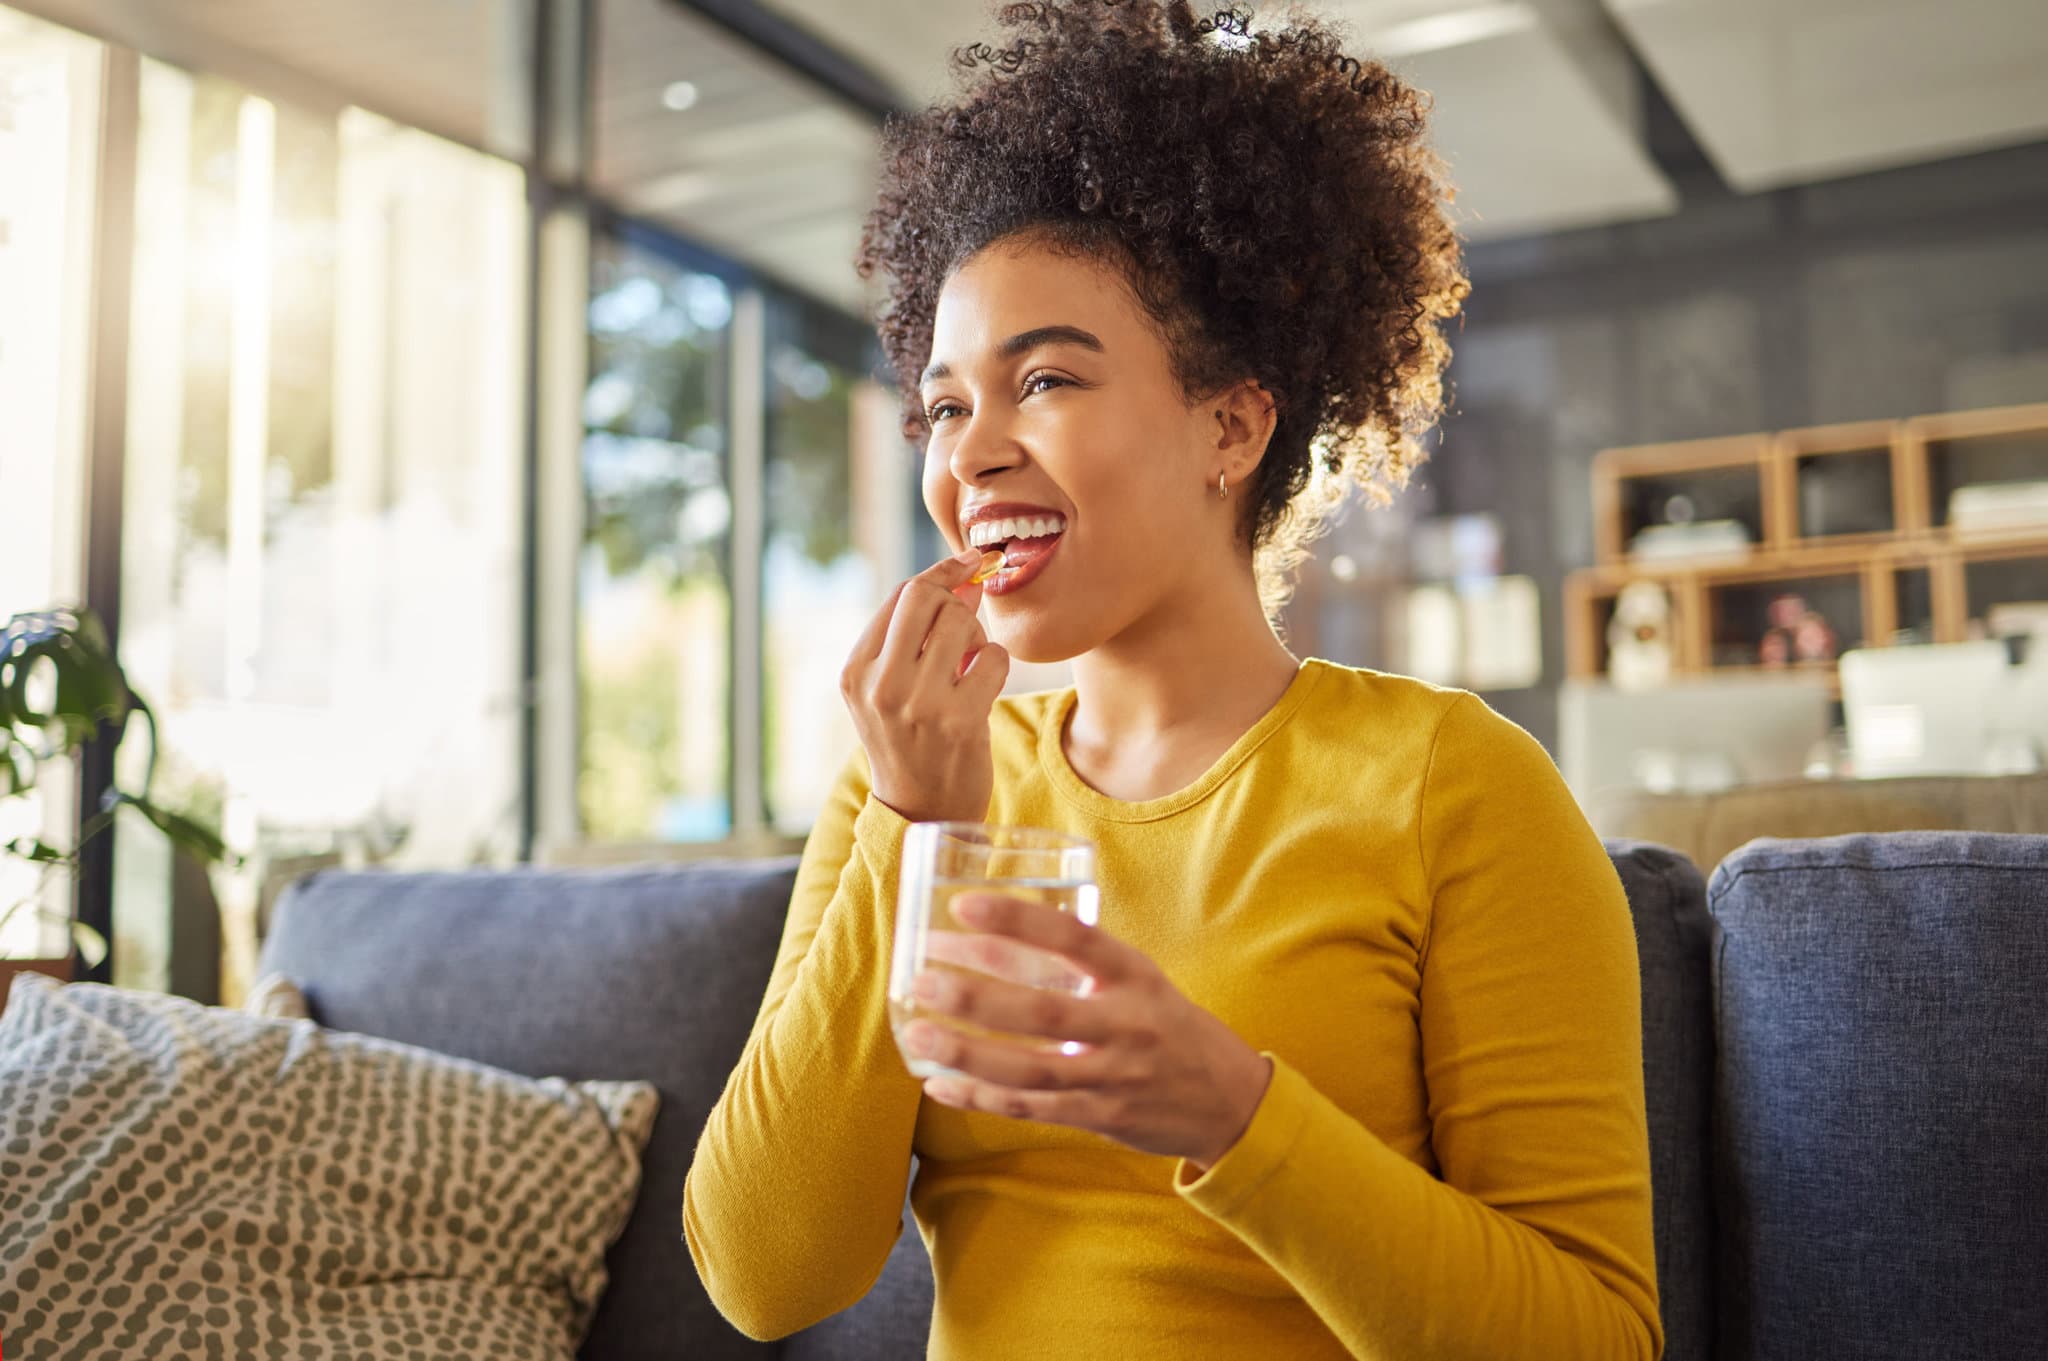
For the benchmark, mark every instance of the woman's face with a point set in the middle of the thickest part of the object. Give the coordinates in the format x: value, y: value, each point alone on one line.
x: 1050, y: 392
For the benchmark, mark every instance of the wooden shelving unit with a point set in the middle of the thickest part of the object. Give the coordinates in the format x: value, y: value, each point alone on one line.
x: 1836, y: 512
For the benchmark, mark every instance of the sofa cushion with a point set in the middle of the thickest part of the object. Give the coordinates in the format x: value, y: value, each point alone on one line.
x: 1668, y: 899
x: 648, y: 972
x: 1881, y: 1117
x: 195, y: 1181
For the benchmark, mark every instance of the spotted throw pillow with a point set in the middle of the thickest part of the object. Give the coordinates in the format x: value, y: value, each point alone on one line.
x: 191, y: 1181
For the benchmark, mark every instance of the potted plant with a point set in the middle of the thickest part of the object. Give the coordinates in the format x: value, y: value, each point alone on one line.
x: 61, y: 685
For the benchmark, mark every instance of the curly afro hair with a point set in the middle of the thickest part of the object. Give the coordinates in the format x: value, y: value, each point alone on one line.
x: 1270, y: 202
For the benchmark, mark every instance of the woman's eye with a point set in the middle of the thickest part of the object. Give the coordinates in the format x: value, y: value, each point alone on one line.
x: 937, y: 410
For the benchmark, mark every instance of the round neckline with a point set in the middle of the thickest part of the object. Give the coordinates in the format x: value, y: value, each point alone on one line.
x: 1053, y: 757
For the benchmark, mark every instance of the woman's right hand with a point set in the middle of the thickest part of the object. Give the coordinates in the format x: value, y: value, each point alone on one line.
x: 920, y: 684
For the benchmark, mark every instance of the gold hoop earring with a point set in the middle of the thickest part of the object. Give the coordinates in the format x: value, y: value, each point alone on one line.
x: 1222, y: 492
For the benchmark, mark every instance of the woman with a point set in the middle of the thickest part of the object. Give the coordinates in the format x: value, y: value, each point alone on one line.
x: 1360, y: 1073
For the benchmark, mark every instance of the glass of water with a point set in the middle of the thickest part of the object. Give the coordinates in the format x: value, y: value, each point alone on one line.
x: 944, y: 860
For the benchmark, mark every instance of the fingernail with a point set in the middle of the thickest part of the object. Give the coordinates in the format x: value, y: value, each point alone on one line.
x: 967, y: 555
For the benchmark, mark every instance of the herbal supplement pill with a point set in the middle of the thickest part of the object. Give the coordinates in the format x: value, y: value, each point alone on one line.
x: 991, y: 563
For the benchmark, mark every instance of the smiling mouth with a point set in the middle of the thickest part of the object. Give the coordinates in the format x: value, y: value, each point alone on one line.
x: 1022, y: 562
x: 1020, y: 547
x: 1022, y: 544
x: 1024, y: 531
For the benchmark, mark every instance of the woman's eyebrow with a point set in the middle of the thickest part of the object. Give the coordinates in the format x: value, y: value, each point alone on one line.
x: 1023, y: 341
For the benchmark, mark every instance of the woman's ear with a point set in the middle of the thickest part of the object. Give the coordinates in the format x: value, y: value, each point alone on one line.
x: 1246, y: 415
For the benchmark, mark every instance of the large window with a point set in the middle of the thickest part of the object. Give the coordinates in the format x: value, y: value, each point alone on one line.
x: 654, y: 589
x: 658, y: 638
x: 824, y: 557
x: 321, y: 560
x: 49, y: 93
x: 321, y: 425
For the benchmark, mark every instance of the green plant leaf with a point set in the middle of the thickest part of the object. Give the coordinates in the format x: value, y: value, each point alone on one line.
x: 90, y: 687
x: 91, y: 692
x: 17, y: 766
x: 137, y: 705
x: 31, y: 848
x: 201, y: 842
x: 91, y: 944
x: 86, y: 696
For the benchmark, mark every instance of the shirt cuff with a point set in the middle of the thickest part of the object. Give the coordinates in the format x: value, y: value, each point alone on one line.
x: 1259, y: 1152
x: 878, y: 831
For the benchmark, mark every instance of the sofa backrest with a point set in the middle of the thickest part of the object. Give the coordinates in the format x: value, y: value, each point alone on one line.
x: 651, y: 973
x: 1845, y: 1061
x: 1880, y: 1122
x: 658, y: 971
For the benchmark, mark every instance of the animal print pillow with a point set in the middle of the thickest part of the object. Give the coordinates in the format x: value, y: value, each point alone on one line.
x: 183, y: 1180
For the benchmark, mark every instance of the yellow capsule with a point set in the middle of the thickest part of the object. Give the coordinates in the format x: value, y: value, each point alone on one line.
x: 991, y: 563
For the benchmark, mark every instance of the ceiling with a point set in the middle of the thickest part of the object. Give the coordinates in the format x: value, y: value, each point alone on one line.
x: 1538, y: 104
x: 1783, y: 92
x: 452, y: 67
x: 1487, y: 66
x: 764, y: 165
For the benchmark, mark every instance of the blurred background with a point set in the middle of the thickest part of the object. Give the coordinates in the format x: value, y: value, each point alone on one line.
x: 464, y: 416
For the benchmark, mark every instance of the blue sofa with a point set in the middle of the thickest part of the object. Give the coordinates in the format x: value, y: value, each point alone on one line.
x: 1845, y: 1059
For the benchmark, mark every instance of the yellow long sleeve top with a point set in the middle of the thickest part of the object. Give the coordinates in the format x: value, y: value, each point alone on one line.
x: 1385, y: 887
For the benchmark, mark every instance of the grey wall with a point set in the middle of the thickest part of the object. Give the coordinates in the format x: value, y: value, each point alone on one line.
x: 1887, y: 295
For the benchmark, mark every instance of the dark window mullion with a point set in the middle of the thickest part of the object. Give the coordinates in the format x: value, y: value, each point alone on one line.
x: 112, y: 273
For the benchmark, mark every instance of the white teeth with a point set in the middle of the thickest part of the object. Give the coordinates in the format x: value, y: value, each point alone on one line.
x: 999, y: 531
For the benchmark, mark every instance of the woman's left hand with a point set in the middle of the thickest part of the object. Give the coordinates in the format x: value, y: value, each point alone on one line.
x: 1154, y: 1071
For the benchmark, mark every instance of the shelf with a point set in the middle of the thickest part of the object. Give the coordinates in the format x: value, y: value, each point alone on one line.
x: 2004, y: 444
x: 1990, y: 581
x: 1875, y: 557
x: 1739, y: 613
x: 1901, y: 550
x: 1911, y: 606
x: 1726, y: 479
x: 1987, y: 543
x: 1844, y: 484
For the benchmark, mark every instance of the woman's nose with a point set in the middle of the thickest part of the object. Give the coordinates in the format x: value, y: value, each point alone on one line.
x: 986, y: 445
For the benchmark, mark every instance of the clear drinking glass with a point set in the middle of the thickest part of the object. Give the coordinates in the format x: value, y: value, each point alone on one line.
x: 941, y: 861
